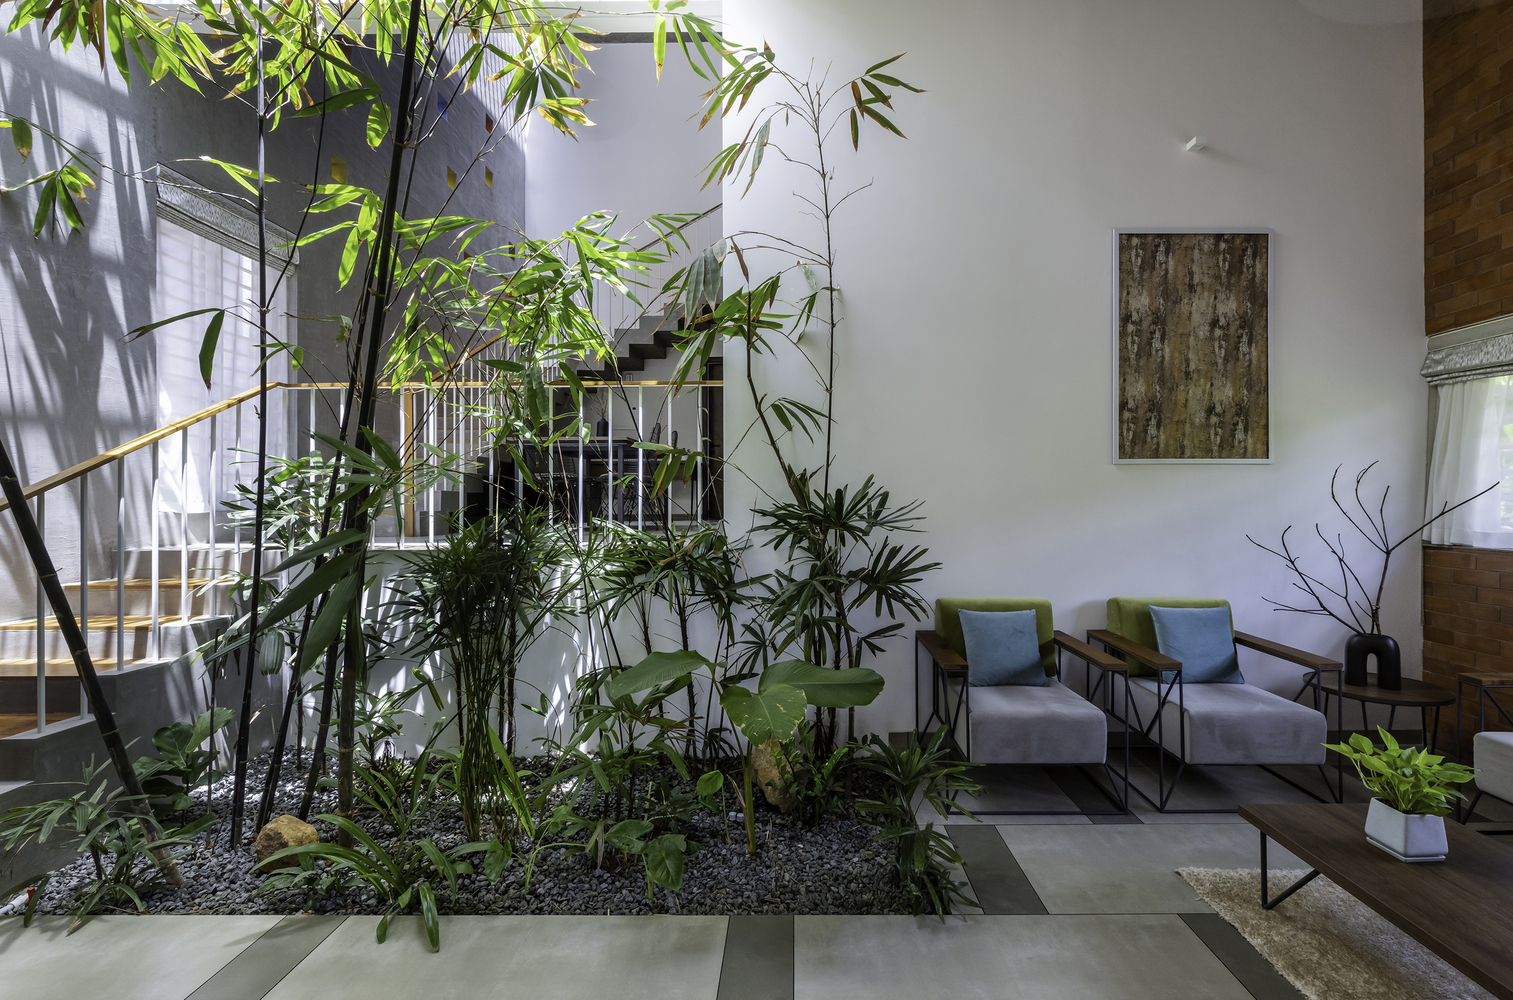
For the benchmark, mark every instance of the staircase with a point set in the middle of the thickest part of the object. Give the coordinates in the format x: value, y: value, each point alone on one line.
x: 650, y: 339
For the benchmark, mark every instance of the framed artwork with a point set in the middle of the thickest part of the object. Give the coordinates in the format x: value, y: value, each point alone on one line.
x: 1192, y: 346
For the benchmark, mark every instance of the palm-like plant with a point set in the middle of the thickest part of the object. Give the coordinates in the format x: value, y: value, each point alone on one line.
x: 484, y: 597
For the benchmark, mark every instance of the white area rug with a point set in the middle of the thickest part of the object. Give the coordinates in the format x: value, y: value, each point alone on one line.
x: 1326, y: 942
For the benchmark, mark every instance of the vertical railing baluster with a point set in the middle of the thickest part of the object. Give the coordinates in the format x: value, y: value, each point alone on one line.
x: 121, y: 563
x: 640, y: 458
x: 582, y: 464
x: 431, y: 490
x: 609, y: 446
x: 211, y: 604
x: 551, y: 476
x: 154, y: 645
x: 41, y: 625
x: 83, y: 578
x: 184, y: 526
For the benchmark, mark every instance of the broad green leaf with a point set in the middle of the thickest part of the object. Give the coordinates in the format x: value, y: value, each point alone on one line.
x: 823, y: 686
x: 654, y: 669
x: 378, y: 124
x: 207, y: 345
x: 765, y: 715
x: 333, y: 541
x: 21, y: 135
x: 664, y: 860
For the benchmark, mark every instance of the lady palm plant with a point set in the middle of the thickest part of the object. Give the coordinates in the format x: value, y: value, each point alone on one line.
x: 483, y: 597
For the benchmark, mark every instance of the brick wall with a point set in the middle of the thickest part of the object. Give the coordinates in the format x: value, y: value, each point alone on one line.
x: 1468, y: 625
x: 1468, y: 162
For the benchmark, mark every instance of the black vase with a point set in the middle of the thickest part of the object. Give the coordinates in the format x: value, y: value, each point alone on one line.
x: 1389, y: 660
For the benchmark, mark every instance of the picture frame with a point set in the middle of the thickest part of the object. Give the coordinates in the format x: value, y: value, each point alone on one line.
x: 1191, y: 335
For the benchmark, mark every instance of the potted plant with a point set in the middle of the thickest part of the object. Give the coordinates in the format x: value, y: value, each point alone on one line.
x: 1412, y: 789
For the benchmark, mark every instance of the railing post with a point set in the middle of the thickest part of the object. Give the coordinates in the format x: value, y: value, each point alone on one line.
x: 640, y: 458
x: 609, y: 451
x: 121, y: 563
x: 41, y: 627
x: 215, y: 503
x: 582, y: 465
x: 184, y: 527
x: 83, y: 579
x: 153, y: 644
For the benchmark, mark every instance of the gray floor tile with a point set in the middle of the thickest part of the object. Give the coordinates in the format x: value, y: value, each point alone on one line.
x: 1130, y: 869
x: 998, y: 884
x: 1020, y: 789
x: 1240, y: 957
x: 1090, y: 957
x: 758, y: 963
x: 124, y: 958
x: 656, y: 958
x: 269, y: 959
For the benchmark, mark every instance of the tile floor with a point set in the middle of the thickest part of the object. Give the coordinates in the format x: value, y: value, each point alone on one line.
x: 1071, y: 907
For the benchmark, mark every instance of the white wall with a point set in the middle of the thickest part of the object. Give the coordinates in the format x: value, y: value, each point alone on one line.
x: 642, y: 156
x: 975, y: 361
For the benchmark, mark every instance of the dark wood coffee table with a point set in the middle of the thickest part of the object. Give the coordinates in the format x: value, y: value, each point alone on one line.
x: 1457, y: 908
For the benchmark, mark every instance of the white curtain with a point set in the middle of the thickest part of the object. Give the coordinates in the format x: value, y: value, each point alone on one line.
x: 197, y: 273
x: 1470, y: 448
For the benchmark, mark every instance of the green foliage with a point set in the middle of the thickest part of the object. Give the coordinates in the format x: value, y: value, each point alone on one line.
x: 405, y: 872
x: 102, y: 823
x: 183, y: 762
x: 919, y: 774
x: 1408, y: 779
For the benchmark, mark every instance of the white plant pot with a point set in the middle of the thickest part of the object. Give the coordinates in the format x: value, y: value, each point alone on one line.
x: 1410, y: 837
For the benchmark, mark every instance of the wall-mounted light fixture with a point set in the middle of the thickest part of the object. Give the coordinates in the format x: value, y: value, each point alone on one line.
x: 1196, y: 143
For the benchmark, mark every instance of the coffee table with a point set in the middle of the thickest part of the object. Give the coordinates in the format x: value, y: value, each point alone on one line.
x: 1457, y: 908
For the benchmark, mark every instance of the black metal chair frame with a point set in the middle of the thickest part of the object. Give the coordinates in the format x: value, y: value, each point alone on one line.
x: 940, y: 710
x: 1158, y: 723
x: 1481, y: 726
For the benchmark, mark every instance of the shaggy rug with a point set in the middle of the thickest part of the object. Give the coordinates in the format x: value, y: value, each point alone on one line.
x: 1326, y: 942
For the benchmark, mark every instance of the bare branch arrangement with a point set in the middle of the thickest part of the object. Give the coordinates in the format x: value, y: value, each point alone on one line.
x: 1352, y: 602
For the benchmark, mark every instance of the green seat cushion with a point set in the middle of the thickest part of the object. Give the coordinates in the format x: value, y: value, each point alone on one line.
x: 1130, y: 617
x: 948, y: 622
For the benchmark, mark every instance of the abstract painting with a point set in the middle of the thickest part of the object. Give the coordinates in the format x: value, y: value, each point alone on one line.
x: 1191, y: 339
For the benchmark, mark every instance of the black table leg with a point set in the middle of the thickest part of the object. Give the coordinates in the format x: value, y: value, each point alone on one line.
x: 1271, y: 904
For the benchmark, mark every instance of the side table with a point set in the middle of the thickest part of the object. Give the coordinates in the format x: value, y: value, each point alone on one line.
x: 1484, y: 682
x: 1413, y: 694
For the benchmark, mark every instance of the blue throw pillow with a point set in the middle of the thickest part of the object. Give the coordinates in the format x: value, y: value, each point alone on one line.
x: 1002, y: 648
x: 1203, y: 639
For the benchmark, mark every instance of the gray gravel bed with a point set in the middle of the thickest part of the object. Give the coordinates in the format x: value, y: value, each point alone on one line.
x: 833, y: 867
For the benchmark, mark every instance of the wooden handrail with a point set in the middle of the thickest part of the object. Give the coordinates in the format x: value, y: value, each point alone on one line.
x: 103, y: 459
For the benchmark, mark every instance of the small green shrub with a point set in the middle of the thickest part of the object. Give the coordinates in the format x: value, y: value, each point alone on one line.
x: 1408, y: 779
x: 182, y: 763
x: 918, y: 773
x: 120, y: 842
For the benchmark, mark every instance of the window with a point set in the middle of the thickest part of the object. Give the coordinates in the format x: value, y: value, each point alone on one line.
x: 1472, y: 449
x: 195, y: 272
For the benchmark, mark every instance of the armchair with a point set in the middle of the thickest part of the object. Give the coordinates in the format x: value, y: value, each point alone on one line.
x: 1020, y: 724
x: 1213, y: 723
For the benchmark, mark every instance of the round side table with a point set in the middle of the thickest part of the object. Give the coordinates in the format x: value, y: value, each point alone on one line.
x: 1413, y: 694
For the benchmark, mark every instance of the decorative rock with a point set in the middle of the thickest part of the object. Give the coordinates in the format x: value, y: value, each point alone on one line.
x: 769, y: 777
x: 283, y: 831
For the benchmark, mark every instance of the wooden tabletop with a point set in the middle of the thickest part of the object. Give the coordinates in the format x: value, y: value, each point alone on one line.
x: 1457, y: 908
x: 1414, y: 694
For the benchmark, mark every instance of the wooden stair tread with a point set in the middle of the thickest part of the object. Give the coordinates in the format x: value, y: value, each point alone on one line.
x: 97, y: 623
x: 27, y: 667
x: 145, y: 583
x: 12, y: 725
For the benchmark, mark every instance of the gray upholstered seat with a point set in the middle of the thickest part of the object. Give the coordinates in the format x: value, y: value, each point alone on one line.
x: 1230, y: 724
x: 1018, y: 724
x: 1493, y: 755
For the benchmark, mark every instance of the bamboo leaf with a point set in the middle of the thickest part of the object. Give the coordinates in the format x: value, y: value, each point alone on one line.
x: 378, y: 123
x: 21, y: 135
x: 207, y: 345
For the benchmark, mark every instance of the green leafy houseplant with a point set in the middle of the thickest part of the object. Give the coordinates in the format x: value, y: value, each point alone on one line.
x: 118, y: 840
x: 1410, y: 780
x: 182, y: 762
x: 928, y: 773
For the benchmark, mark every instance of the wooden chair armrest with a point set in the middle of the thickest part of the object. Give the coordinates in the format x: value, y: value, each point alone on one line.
x: 1129, y: 647
x: 1311, y: 660
x: 944, y: 656
x: 1082, y: 650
